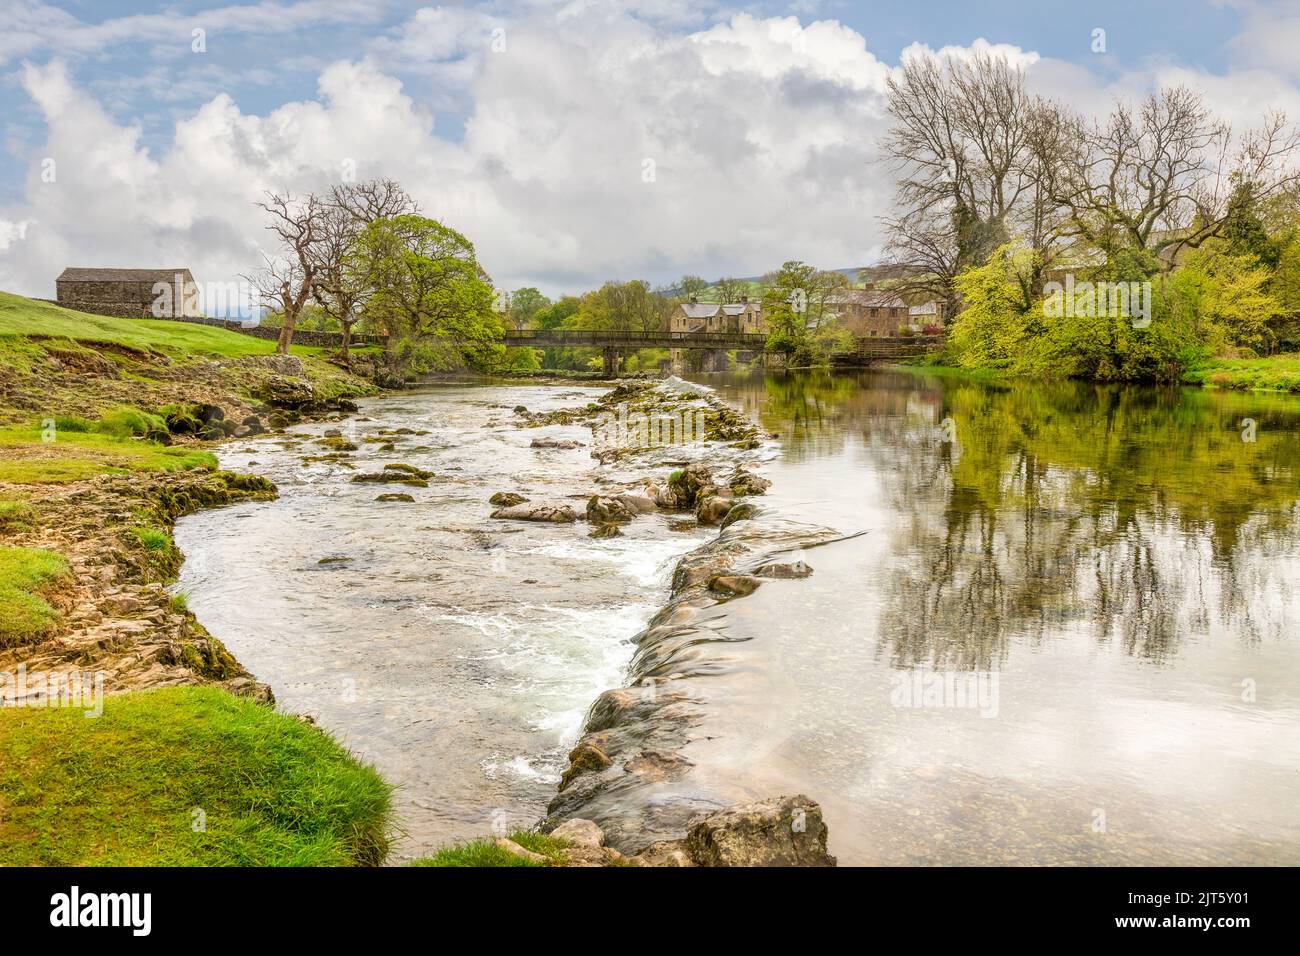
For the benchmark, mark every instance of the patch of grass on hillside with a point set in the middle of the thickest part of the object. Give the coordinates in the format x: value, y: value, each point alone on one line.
x: 25, y: 615
x: 16, y: 516
x: 183, y: 776
x: 20, y: 316
x: 485, y: 852
x: 74, y: 454
x: 1275, y: 373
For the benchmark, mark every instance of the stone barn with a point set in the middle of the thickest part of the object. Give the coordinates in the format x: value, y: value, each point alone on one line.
x: 130, y: 293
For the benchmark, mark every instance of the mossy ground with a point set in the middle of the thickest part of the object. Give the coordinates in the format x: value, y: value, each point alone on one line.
x: 123, y: 788
x: 485, y: 852
x: 34, y: 455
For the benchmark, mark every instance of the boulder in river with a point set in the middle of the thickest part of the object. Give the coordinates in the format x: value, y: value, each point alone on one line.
x: 505, y: 499
x: 780, y: 831
x: 743, y: 511
x: 712, y: 504
x: 744, y: 482
x: 395, y: 497
x: 565, y: 443
x: 602, y: 510
x: 540, y: 511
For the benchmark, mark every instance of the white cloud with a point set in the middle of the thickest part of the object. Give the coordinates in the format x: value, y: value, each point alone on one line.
x: 762, y: 134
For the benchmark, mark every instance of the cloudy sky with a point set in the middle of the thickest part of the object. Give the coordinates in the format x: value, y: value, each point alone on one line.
x: 573, y: 141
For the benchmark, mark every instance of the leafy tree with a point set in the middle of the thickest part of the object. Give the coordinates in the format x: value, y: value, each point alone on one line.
x: 429, y: 295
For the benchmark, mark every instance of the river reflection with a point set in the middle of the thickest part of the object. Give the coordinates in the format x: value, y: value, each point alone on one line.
x: 1124, y: 560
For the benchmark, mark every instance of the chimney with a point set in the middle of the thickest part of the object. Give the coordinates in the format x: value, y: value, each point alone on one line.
x: 744, y: 300
x: 695, y: 300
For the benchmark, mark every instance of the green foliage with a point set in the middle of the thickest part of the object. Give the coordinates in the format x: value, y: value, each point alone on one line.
x: 25, y: 573
x: 121, y: 789
x: 429, y: 295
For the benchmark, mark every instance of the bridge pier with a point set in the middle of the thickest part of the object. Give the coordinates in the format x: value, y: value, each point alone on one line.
x: 609, y: 357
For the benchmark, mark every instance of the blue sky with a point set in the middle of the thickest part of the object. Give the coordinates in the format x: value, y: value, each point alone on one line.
x: 499, y: 140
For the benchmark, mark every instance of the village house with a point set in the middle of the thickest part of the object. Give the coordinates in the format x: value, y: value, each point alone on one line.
x: 696, y: 316
x: 867, y: 313
x: 129, y: 293
x: 927, y: 315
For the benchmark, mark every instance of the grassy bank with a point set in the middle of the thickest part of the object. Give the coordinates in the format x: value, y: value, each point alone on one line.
x: 185, y: 776
x: 1279, y: 373
x: 106, y: 434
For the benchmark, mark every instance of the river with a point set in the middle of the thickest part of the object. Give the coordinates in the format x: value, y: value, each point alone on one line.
x: 1110, y: 572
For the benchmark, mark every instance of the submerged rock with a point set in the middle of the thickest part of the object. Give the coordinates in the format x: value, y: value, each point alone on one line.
x: 555, y: 513
x: 734, y: 585
x: 395, y: 497
x: 555, y: 443
x: 506, y: 499
x: 784, y: 569
x: 610, y: 530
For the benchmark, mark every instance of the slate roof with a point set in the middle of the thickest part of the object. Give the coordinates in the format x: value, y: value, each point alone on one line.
x: 74, y: 274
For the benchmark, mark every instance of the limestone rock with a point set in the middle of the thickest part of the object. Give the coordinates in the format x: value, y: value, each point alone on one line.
x: 780, y: 831
x: 555, y: 513
x: 744, y: 482
x: 601, y: 510
x: 578, y: 832
x: 734, y: 585
x: 784, y: 569
x: 506, y: 499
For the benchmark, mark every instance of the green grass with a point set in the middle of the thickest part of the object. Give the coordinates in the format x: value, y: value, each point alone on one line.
x: 25, y: 615
x: 123, y: 788
x: 20, y: 316
x: 16, y: 516
x: 485, y: 852
x: 153, y: 539
x: 1275, y: 373
x: 73, y: 455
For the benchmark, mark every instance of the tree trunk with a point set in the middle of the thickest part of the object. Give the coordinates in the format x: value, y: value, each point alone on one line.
x: 286, y: 334
x: 347, y: 339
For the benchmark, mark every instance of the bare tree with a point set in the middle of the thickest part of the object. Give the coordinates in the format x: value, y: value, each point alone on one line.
x: 289, y: 277
x: 1158, y: 179
x: 342, y: 284
x: 962, y: 144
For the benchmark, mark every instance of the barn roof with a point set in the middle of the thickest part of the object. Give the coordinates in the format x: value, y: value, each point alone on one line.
x: 75, y: 274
